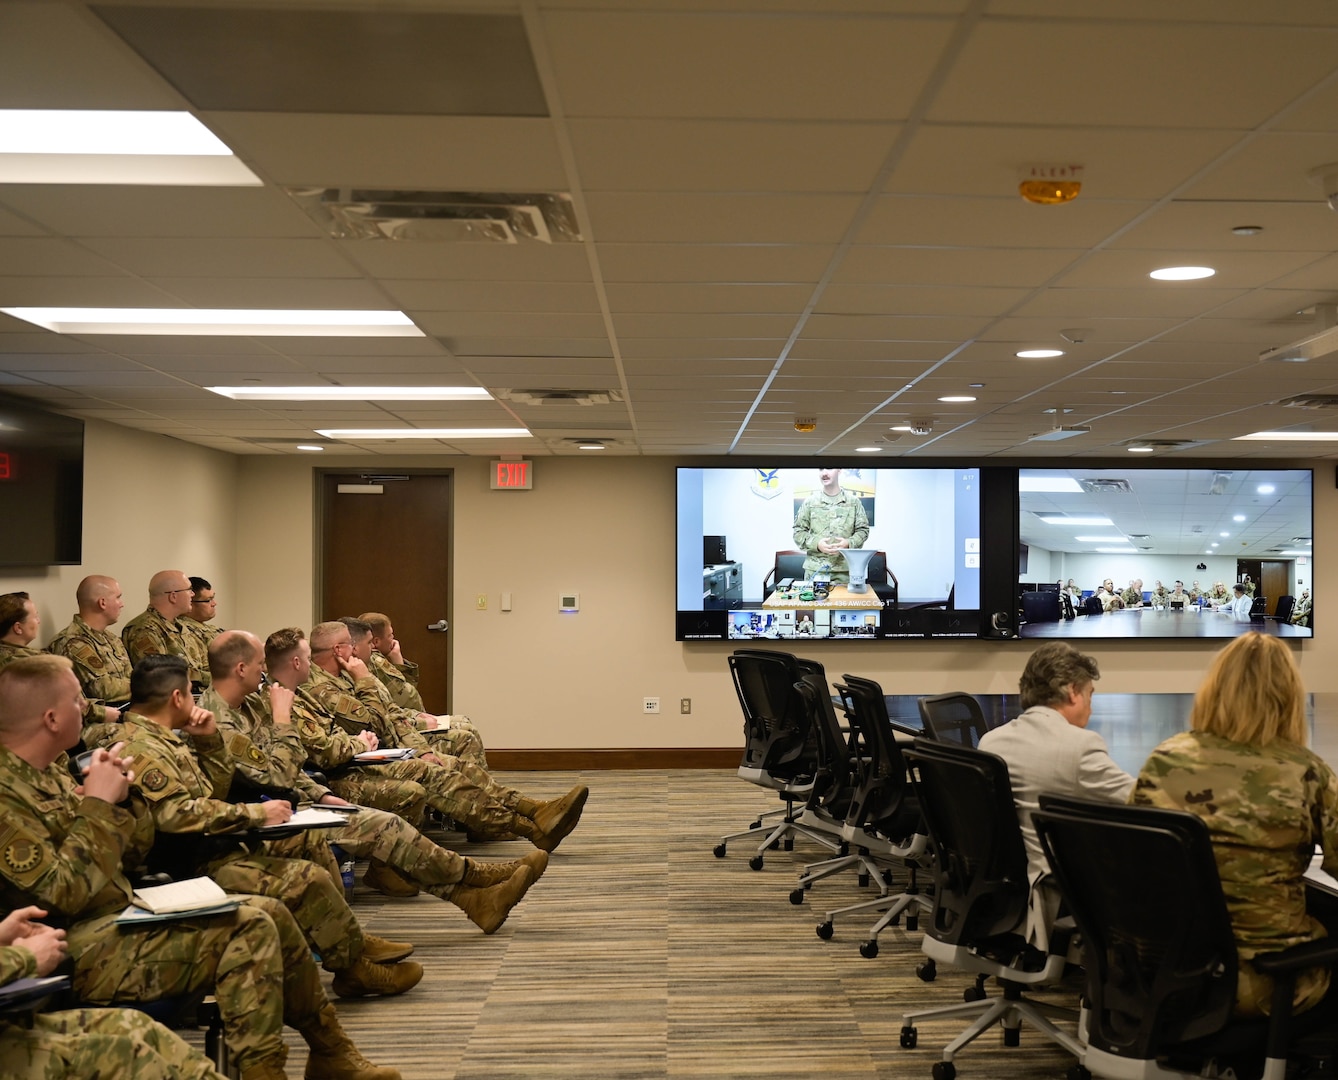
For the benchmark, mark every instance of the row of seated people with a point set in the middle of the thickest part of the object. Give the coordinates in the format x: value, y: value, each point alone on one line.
x: 152, y: 800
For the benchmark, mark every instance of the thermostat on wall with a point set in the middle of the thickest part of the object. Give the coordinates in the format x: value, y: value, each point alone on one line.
x: 569, y: 602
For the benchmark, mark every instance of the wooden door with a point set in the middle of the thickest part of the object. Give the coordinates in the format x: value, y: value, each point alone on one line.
x: 1274, y: 581
x: 390, y: 551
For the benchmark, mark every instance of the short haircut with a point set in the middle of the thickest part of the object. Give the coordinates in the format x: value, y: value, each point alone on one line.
x: 357, y: 629
x: 199, y: 584
x: 1239, y: 588
x: 92, y: 589
x: 1053, y: 669
x: 378, y: 622
x: 325, y: 632
x: 24, y: 683
x: 155, y: 677
x: 1252, y: 693
x: 281, y: 644
x: 228, y: 650
x: 13, y: 610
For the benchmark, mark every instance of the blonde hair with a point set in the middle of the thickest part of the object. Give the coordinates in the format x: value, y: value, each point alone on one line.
x: 27, y: 686
x: 377, y: 621
x: 1252, y: 693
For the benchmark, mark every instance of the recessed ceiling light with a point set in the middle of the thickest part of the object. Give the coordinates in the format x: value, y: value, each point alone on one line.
x: 1140, y: 449
x: 957, y: 398
x: 1115, y: 550
x: 1248, y: 230
x: 1214, y: 544
x: 1237, y: 517
x: 1182, y: 273
x: 868, y: 449
x: 1060, y: 519
x: 900, y: 427
x: 219, y: 322
x: 1100, y: 539
x: 310, y: 448
x: 1300, y: 553
x: 1265, y: 489
x: 590, y: 446
x: 1288, y: 436
x: 352, y: 393
x: 1048, y: 483
x: 110, y: 146
x: 1038, y: 354
x: 1224, y: 535
x: 449, y: 434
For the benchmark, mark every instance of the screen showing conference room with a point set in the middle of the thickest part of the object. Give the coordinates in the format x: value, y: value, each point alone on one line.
x: 1201, y: 527
x: 737, y: 546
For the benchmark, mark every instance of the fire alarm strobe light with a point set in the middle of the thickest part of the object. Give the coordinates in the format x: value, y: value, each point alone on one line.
x: 1048, y: 185
x: 805, y: 424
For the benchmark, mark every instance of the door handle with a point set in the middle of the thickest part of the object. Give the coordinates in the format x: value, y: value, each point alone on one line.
x: 439, y: 627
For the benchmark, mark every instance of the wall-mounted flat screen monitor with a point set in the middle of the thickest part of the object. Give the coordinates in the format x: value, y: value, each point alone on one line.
x: 843, y: 554
x: 1159, y: 553
x: 41, y: 486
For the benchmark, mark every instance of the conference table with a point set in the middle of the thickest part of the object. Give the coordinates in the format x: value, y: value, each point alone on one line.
x: 1154, y: 623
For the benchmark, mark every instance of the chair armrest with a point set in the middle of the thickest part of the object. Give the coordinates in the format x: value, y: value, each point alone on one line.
x: 1318, y: 953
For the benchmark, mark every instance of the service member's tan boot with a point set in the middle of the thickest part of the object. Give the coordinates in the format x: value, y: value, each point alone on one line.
x: 556, y: 818
x: 388, y: 881
x: 488, y: 907
x: 269, y: 1069
x: 480, y: 875
x: 366, y: 979
x: 333, y: 1055
x: 381, y: 951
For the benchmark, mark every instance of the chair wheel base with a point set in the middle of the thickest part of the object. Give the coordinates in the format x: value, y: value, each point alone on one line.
x: 945, y: 1070
x: 755, y: 863
x: 976, y: 993
x: 868, y: 949
x: 825, y: 930
x: 912, y: 923
x: 796, y: 896
x: 908, y: 1038
x: 926, y: 971
x: 1012, y: 1036
x: 718, y: 851
x: 1078, y: 1072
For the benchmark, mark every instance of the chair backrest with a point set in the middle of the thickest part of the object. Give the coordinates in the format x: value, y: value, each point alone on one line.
x: 1092, y: 606
x: 776, y: 722
x: 1040, y: 606
x: 1286, y: 602
x: 1143, y: 888
x: 788, y: 564
x: 1260, y: 605
x: 980, y: 863
x: 881, y: 796
x: 954, y: 718
x: 837, y: 779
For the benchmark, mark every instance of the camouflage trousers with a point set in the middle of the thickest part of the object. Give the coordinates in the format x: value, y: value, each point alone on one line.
x: 375, y: 834
x: 109, y: 1044
x: 461, y: 791
x: 254, y: 960
x: 460, y: 739
x: 301, y: 873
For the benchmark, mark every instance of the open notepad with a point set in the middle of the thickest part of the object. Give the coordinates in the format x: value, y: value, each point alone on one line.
x: 380, y: 757
x: 178, y: 900
x: 313, y: 817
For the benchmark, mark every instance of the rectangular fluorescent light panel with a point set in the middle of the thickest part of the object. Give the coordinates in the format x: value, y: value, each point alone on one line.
x: 1115, y: 550
x: 219, y: 322
x: 1100, y: 539
x: 448, y: 434
x: 1060, y: 519
x: 1288, y: 436
x: 1049, y: 484
x: 111, y: 146
x: 352, y: 393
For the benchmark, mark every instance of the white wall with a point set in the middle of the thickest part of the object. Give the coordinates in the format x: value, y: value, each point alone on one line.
x: 1088, y: 571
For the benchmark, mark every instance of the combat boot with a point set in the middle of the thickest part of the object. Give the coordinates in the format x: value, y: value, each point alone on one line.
x: 480, y: 875
x: 269, y: 1069
x: 388, y: 881
x: 366, y: 979
x: 488, y: 908
x: 333, y: 1055
x: 380, y: 951
x: 559, y: 816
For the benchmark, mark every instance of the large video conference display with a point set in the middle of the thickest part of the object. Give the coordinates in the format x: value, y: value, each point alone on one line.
x: 762, y: 553
x: 1108, y: 552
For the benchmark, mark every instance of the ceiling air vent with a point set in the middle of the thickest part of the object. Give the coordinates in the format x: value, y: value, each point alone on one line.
x: 560, y: 397
x: 444, y: 217
x: 1105, y: 486
x: 1311, y: 401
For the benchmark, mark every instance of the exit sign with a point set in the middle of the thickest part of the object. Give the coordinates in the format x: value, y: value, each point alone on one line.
x: 511, y: 475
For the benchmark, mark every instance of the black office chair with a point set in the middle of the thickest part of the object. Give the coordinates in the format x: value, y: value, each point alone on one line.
x: 1286, y: 602
x: 981, y: 891
x: 955, y: 718
x: 780, y: 749
x: 1260, y: 605
x: 1161, y: 975
x: 1040, y: 606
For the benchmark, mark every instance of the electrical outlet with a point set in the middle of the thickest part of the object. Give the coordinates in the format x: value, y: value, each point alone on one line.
x: 650, y: 705
x: 481, y: 602
x: 685, y: 705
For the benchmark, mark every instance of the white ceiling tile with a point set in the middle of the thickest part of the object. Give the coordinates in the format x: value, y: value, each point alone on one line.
x: 694, y: 264
x: 392, y: 260
x: 720, y: 219
x: 1005, y: 222
x: 521, y: 296
x: 217, y: 257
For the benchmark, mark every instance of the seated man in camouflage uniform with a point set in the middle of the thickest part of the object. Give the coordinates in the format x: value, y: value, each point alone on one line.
x: 1301, y: 610
x: 62, y: 847
x: 257, y: 727
x: 158, y: 629
x: 100, y: 661
x: 111, y: 1044
x: 198, y: 621
x: 335, y: 726
x: 374, y: 643
x: 182, y: 786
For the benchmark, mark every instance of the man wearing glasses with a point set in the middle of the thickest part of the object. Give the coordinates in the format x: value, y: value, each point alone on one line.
x: 198, y: 623
x: 158, y: 629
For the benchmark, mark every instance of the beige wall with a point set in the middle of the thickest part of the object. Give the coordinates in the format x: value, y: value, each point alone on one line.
x: 150, y: 504
x: 534, y: 678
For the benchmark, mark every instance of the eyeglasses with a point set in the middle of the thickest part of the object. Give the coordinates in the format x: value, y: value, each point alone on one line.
x: 211, y: 600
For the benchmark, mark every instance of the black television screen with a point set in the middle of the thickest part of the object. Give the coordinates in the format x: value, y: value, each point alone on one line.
x: 917, y: 533
x: 1157, y: 553
x: 41, y: 486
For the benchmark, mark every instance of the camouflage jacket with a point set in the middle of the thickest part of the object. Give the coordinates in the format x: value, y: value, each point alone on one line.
x: 400, y: 681
x: 16, y: 963
x: 365, y: 702
x: 58, y: 849
x: 261, y: 751
x: 149, y: 634
x: 822, y: 516
x: 329, y: 743
x: 198, y: 635
x: 1266, y: 808
x: 99, y: 658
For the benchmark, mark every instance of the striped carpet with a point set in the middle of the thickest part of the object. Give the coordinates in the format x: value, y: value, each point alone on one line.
x: 639, y: 954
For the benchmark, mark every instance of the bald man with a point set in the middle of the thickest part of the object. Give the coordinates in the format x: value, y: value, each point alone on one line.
x: 100, y: 661
x: 158, y: 629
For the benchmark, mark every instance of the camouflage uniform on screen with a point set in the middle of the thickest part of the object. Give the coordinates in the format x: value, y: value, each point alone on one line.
x: 103, y: 669
x: 272, y: 754
x: 1266, y: 808
x: 149, y: 634
x: 63, y: 852
x: 1301, y: 612
x: 824, y: 515
x: 454, y: 735
x: 461, y: 791
x: 181, y: 788
x: 1131, y: 597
